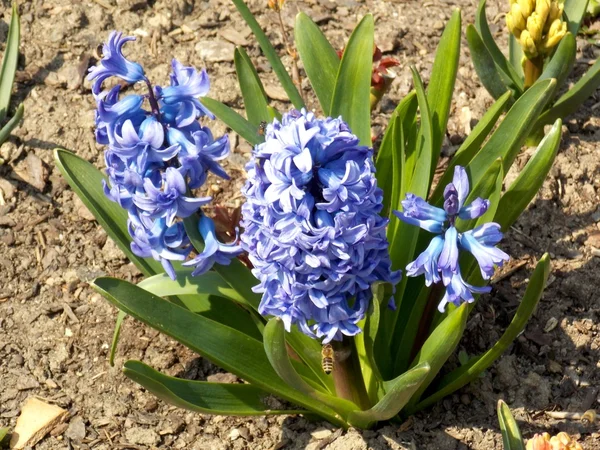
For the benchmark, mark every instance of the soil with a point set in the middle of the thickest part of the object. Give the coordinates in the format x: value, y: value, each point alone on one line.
x: 55, y: 331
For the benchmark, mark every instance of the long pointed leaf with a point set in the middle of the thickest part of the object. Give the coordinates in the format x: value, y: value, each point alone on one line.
x: 510, y: 75
x: 571, y: 100
x: 233, y: 120
x: 506, y: 141
x: 400, y: 390
x: 115, y: 340
x: 439, y: 346
x: 562, y: 61
x: 267, y: 48
x: 470, y: 371
x: 9, y: 62
x: 320, y: 59
x: 253, y: 92
x: 11, y: 124
x: 224, y: 346
x: 353, y: 82
x: 86, y: 181
x: 511, y: 435
x: 441, y: 83
x: 184, y: 284
x: 471, y: 145
x: 484, y: 65
x: 202, y: 396
x: 529, y: 181
x: 575, y: 11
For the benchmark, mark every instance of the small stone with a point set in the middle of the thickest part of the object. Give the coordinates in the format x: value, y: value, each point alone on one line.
x: 142, y: 436
x: 76, y: 429
x: 31, y: 170
x: 51, y: 383
x: 215, y: 50
x: 276, y: 93
x: 82, y: 210
x: 222, y: 378
x: 465, y: 399
x: 234, y: 434
x: 554, y: 367
x: 7, y: 150
x: 551, y: 324
x: 233, y: 36
x: 27, y: 382
x: 321, y: 433
x: 438, y: 25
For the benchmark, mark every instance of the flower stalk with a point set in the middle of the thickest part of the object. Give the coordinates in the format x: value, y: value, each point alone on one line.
x: 347, y: 376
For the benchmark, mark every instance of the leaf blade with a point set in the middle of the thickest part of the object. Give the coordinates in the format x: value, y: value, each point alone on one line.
x: 233, y: 120
x: 484, y: 64
x: 201, y: 396
x: 319, y: 58
x: 351, y: 97
x: 253, y: 92
x: 511, y: 435
x: 9, y: 62
x: 263, y: 41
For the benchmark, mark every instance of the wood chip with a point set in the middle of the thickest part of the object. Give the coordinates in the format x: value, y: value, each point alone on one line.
x: 36, y: 420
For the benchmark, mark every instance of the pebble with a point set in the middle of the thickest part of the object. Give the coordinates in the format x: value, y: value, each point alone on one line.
x: 142, y: 436
x: 234, y: 434
x: 76, y: 429
x: 215, y: 50
x: 233, y: 36
x: 321, y: 433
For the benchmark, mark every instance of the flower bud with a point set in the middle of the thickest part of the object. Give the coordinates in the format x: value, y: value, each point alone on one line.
x: 557, y: 31
x: 528, y: 45
x: 535, y: 26
x: 562, y: 441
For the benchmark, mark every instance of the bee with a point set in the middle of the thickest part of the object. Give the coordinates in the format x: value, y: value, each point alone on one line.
x: 262, y: 128
x: 327, y: 358
x: 589, y: 417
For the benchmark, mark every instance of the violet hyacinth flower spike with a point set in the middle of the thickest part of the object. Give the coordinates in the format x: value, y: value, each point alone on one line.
x: 440, y: 260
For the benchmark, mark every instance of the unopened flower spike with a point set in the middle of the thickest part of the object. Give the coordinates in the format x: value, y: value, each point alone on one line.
x: 440, y: 260
x: 156, y: 155
x: 312, y: 226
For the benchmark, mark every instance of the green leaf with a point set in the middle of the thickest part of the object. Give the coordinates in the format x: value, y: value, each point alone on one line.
x: 530, y: 180
x: 399, y: 392
x: 225, y: 311
x: 201, y: 396
x: 388, y: 166
x: 233, y: 120
x: 570, y: 102
x: 115, y: 340
x: 484, y: 64
x: 575, y: 11
x: 365, y: 343
x: 9, y: 62
x: 470, y: 371
x: 11, y: 124
x: 441, y: 83
x: 506, y: 141
x: 351, y: 97
x: 471, y: 145
x: 562, y: 61
x: 271, y: 55
x: 510, y: 76
x: 276, y: 350
x: 253, y: 92
x: 232, y: 350
x: 319, y: 58
x: 402, y: 236
x: 438, y: 347
x: 210, y: 283
x: 3, y: 435
x: 86, y: 181
x: 511, y: 435
x: 515, y: 55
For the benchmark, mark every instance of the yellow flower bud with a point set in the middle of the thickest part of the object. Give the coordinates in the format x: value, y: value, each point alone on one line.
x: 518, y: 21
x: 562, y: 441
x: 535, y: 26
x: 542, y: 8
x: 528, y: 45
x: 557, y: 31
x: 527, y: 7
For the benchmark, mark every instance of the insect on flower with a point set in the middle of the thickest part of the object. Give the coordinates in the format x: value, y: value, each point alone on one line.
x: 327, y: 358
x: 262, y: 128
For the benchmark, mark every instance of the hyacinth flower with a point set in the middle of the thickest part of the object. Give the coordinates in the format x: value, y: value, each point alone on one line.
x: 156, y: 155
x: 304, y: 312
x: 312, y: 226
x: 440, y: 261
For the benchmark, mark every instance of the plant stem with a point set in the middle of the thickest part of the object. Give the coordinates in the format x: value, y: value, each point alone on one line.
x: 347, y: 376
x: 532, y: 68
x: 427, y: 318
